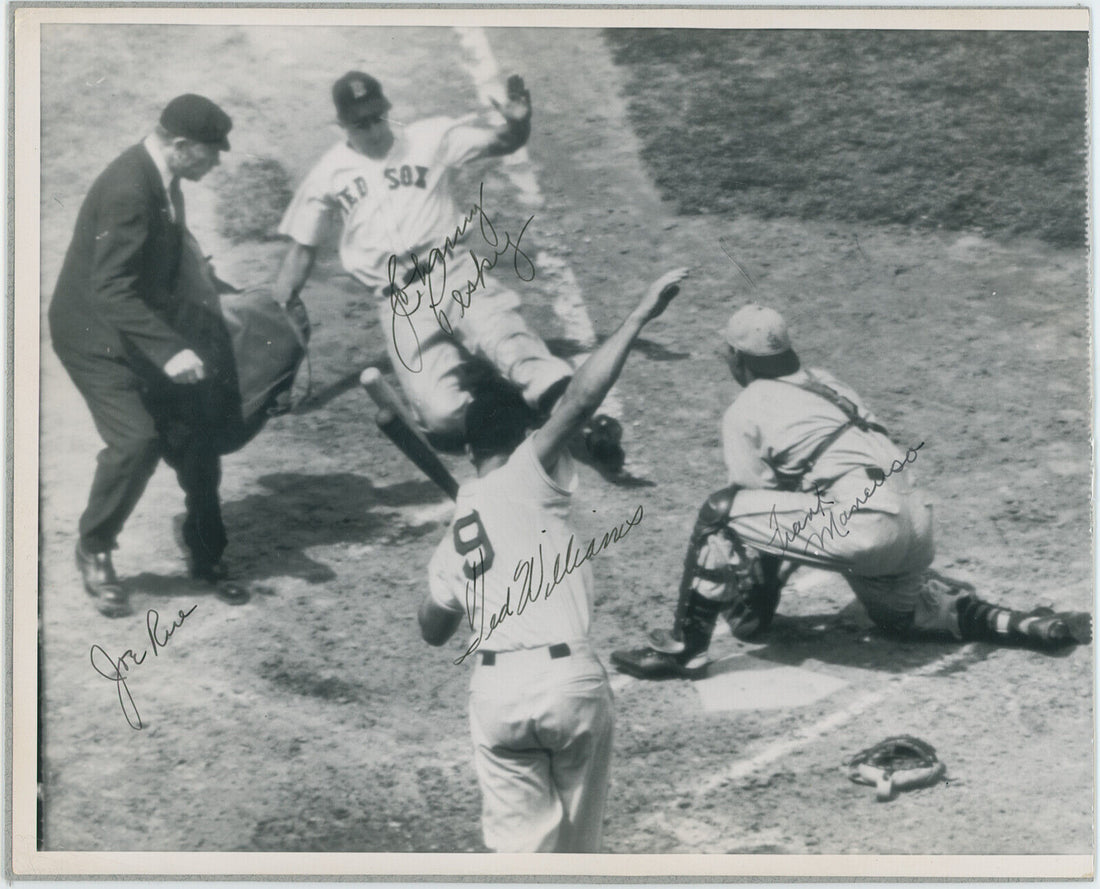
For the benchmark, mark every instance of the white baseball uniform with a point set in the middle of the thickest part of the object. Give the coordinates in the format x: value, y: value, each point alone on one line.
x: 858, y: 511
x: 540, y: 703
x: 400, y: 207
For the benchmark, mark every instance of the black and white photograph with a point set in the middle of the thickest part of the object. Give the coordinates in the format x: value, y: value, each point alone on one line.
x: 446, y: 437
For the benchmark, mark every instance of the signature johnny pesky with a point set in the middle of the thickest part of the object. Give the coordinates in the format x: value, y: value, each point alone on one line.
x: 431, y: 271
x: 834, y: 521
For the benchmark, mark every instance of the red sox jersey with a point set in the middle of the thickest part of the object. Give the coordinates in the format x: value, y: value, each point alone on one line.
x: 506, y: 562
x: 397, y: 205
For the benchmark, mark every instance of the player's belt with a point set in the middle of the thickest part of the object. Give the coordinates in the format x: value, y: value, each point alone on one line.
x: 562, y: 649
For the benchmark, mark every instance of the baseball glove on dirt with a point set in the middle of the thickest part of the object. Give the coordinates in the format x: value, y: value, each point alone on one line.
x: 898, y: 763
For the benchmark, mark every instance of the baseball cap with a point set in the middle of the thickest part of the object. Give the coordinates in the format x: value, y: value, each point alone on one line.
x: 358, y: 96
x: 758, y: 331
x: 197, y: 118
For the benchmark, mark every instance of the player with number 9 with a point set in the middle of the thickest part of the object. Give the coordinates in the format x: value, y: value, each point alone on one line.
x: 540, y: 703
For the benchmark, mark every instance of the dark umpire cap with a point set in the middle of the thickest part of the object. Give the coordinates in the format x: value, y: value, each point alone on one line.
x: 358, y: 96
x: 197, y: 118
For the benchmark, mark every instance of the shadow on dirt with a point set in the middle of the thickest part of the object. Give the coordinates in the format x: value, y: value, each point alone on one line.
x: 178, y: 586
x: 385, y: 824
x: 328, y: 687
x: 626, y: 480
x: 159, y: 584
x: 792, y: 641
x: 269, y: 533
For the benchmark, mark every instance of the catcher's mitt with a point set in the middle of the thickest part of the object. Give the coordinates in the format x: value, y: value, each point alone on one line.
x: 898, y: 763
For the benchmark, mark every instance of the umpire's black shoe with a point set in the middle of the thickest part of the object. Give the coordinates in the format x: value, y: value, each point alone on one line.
x: 217, y: 577
x: 603, y: 436
x: 648, y: 663
x: 101, y: 582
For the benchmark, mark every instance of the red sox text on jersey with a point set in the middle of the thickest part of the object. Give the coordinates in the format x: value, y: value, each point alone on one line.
x: 405, y: 175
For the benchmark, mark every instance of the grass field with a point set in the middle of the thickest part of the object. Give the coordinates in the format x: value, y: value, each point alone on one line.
x: 961, y: 131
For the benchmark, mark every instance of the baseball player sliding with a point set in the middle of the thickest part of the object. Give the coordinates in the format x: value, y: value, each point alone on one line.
x: 428, y: 264
x: 814, y: 479
x: 540, y: 703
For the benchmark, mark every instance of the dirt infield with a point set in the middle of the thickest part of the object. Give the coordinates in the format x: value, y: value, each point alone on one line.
x: 314, y: 718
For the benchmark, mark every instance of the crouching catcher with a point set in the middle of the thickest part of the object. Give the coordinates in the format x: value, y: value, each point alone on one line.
x: 815, y: 480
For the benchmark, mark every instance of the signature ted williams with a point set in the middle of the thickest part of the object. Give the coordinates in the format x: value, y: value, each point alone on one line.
x: 527, y: 590
x: 117, y: 670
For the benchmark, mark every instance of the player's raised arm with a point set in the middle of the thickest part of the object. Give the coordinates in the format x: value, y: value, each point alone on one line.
x: 516, y: 130
x: 593, y: 379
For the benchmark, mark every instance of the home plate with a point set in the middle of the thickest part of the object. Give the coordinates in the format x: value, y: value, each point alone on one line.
x: 745, y: 686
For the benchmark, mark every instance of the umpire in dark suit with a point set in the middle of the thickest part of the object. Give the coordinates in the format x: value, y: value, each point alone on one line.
x: 131, y: 345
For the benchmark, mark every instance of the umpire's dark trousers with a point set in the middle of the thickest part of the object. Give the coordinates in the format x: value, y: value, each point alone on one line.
x: 141, y: 418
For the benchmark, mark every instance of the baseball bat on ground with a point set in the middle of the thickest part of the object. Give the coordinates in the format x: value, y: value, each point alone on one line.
x: 398, y: 426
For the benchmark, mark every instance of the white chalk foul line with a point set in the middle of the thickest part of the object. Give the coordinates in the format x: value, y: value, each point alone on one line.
x: 696, y: 835
x: 832, y: 721
x: 568, y: 300
x: 740, y: 768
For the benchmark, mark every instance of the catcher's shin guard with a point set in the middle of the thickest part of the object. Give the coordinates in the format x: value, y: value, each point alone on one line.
x: 757, y: 597
x: 1041, y: 628
x: 692, y: 608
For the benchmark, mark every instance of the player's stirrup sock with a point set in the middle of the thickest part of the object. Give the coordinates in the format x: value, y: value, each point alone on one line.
x: 696, y: 614
x: 980, y: 621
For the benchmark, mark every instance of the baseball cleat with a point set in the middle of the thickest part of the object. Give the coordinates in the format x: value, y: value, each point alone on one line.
x: 665, y: 641
x: 1045, y: 628
x: 603, y: 437
x: 1069, y: 628
x: 216, y: 576
x: 648, y: 663
x: 745, y: 624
